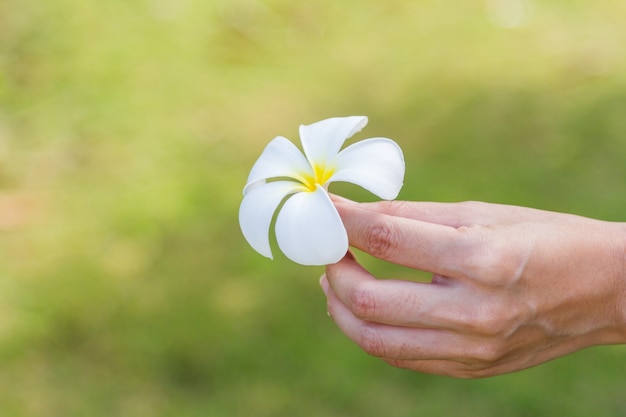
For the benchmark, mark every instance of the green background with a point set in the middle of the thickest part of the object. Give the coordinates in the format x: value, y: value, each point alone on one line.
x: 127, y: 129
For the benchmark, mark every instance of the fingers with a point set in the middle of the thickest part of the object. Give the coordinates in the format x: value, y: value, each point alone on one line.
x: 417, y: 244
x: 465, y: 213
x: 447, y: 214
x: 436, y: 367
x: 386, y: 341
x: 404, y: 344
x: 449, y: 368
x: 446, y: 304
x: 446, y: 328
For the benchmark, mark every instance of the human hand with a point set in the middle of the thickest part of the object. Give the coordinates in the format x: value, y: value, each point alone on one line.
x: 512, y: 287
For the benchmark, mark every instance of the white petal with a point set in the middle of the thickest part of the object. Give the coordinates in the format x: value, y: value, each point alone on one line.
x: 321, y: 141
x: 309, y: 230
x: 280, y: 158
x: 257, y: 209
x: 374, y: 164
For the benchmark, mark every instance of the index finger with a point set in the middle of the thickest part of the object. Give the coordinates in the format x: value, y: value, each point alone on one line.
x: 466, y: 213
x: 431, y: 247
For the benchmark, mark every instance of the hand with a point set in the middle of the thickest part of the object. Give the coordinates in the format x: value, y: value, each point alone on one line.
x: 512, y: 287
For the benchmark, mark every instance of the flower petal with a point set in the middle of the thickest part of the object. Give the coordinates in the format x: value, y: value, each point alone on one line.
x: 374, y: 164
x: 309, y: 230
x: 280, y: 158
x: 257, y: 209
x: 322, y: 140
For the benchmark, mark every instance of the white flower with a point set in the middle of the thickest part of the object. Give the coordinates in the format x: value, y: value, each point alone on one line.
x: 308, y: 228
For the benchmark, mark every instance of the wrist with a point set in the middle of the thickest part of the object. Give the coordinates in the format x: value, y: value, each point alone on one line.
x: 611, y: 321
x: 621, y: 280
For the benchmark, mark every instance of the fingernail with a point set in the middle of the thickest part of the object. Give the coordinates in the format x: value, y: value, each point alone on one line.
x: 324, y: 284
x: 338, y: 199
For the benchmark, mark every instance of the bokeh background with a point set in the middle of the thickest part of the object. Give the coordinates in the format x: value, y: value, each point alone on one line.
x: 127, y: 129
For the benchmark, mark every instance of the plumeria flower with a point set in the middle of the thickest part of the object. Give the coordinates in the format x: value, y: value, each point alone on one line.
x: 308, y: 228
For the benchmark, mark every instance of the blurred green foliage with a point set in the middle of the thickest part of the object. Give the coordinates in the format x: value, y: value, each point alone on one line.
x: 127, y: 129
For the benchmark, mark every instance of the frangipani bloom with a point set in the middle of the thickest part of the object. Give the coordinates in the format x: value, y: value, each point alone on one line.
x: 308, y: 228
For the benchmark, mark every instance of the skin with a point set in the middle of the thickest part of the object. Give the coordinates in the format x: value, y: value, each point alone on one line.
x: 512, y: 287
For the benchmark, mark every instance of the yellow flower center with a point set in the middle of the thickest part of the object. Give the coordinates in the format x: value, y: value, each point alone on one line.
x: 321, y: 174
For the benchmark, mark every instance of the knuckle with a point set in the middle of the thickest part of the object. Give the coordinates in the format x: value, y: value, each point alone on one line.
x: 477, y: 252
x: 382, y: 238
x: 490, y: 319
x: 486, y: 354
x: 363, y: 301
x: 489, y: 259
x: 372, y: 342
x: 501, y: 266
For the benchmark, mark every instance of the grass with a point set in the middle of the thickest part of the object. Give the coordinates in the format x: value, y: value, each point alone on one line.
x: 126, y: 133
